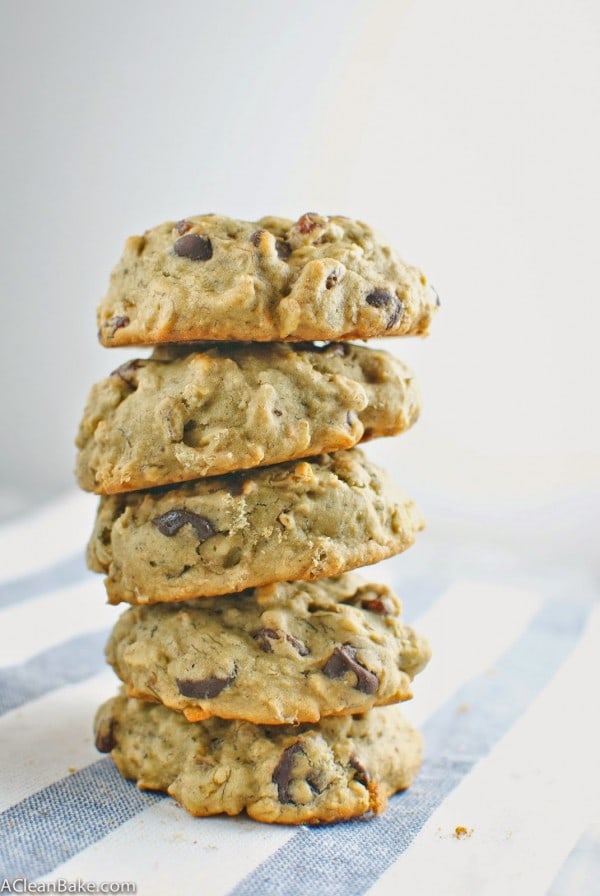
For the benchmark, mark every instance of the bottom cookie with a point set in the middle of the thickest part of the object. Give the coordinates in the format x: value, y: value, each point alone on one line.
x: 337, y: 769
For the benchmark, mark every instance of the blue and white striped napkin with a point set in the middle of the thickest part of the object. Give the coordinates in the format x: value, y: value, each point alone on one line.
x: 506, y: 802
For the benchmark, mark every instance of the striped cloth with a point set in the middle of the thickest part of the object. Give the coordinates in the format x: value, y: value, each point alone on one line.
x: 507, y: 800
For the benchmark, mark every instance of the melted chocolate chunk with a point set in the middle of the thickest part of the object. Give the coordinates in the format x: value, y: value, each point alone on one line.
x: 343, y: 659
x: 396, y: 314
x: 297, y: 644
x: 306, y: 223
x: 116, y: 323
x: 379, y: 298
x: 316, y: 780
x: 256, y: 236
x: 283, y: 249
x: 264, y: 636
x: 331, y: 280
x: 282, y: 774
x: 375, y: 605
x: 170, y: 523
x: 183, y: 226
x: 125, y: 371
x: 194, y: 246
x: 105, y: 737
x: 362, y: 775
x: 203, y: 688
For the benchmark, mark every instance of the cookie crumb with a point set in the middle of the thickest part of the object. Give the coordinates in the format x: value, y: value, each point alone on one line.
x: 72, y: 769
x: 461, y: 832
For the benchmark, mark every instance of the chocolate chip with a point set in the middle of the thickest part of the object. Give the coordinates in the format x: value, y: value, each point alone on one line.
x: 194, y: 246
x: 342, y: 659
x: 298, y: 645
x: 396, y: 314
x: 283, y: 772
x: 306, y: 223
x: 277, y: 412
x: 183, y: 226
x: 317, y: 780
x: 283, y: 249
x: 105, y: 736
x: 170, y: 523
x: 375, y: 605
x: 362, y: 775
x: 203, y: 688
x: 125, y: 371
x: 264, y: 636
x: 115, y: 323
x: 379, y: 298
x: 331, y: 280
x: 256, y: 237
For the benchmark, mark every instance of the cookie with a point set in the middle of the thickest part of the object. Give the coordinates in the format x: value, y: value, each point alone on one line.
x: 281, y: 653
x: 227, y: 408
x: 298, y: 520
x: 212, y: 277
x: 338, y: 769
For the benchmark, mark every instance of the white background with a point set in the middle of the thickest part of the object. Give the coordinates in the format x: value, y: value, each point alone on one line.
x: 467, y: 133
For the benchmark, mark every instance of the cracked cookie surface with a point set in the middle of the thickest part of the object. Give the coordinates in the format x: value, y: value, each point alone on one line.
x: 179, y: 416
x: 298, y: 520
x: 283, y: 653
x: 213, y: 277
x: 338, y: 769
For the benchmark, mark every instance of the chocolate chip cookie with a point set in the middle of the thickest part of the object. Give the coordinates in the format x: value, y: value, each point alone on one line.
x: 179, y: 416
x: 281, y: 653
x: 298, y: 520
x: 212, y: 277
x: 335, y: 770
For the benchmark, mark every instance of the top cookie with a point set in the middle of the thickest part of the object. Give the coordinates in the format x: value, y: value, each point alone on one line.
x: 211, y: 277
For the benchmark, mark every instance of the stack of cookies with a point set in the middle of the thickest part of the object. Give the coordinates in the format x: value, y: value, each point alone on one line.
x: 235, y: 506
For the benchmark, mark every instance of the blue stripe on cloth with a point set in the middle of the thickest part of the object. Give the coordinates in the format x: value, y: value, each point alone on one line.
x: 347, y: 860
x: 580, y: 874
x: 59, y: 575
x: 54, y: 824
x: 66, y: 663
x: 418, y: 593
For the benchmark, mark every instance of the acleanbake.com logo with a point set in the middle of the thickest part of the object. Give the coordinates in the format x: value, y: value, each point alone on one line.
x: 61, y: 885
